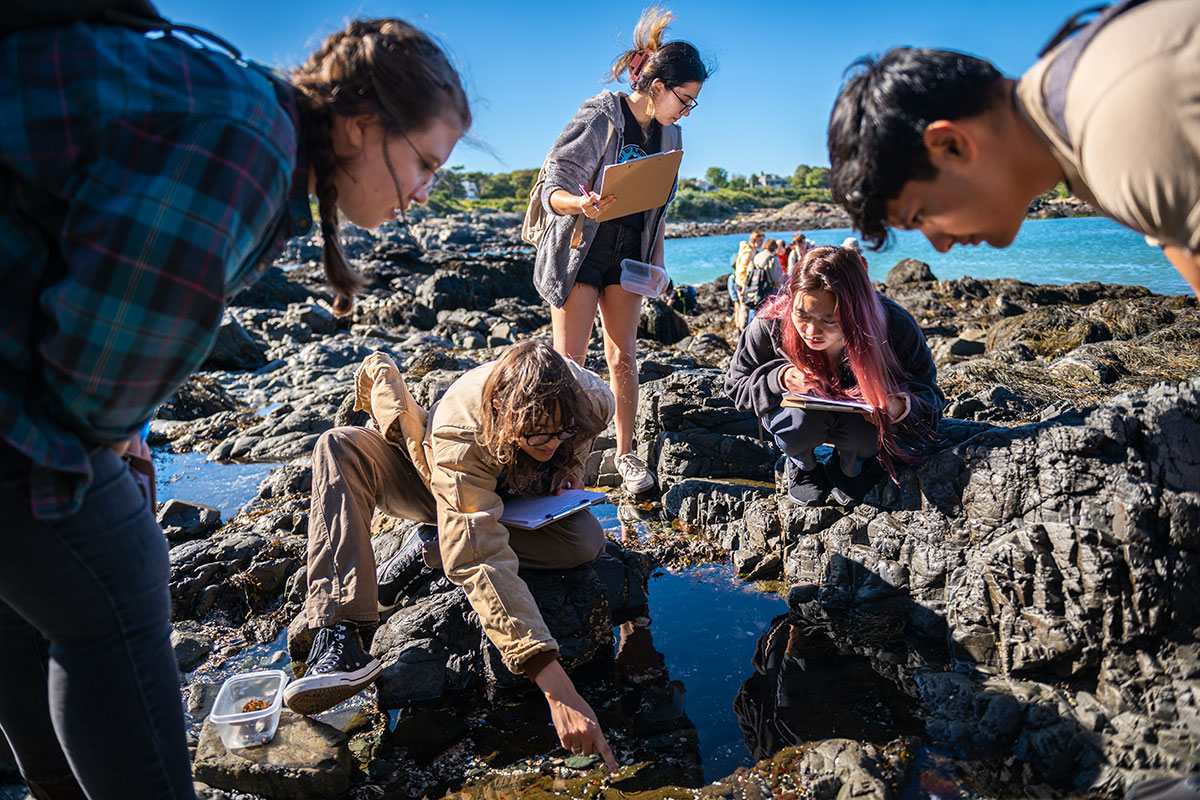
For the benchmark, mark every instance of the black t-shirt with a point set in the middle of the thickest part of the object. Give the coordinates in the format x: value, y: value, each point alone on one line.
x: 637, y: 145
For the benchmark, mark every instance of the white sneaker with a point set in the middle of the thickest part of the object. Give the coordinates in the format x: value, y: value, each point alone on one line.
x: 634, y: 474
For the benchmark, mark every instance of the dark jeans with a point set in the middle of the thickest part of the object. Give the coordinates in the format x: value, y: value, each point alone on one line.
x: 798, y: 432
x: 89, y: 684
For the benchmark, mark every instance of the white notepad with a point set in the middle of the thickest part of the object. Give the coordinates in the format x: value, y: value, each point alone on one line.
x: 534, y: 512
x: 793, y: 400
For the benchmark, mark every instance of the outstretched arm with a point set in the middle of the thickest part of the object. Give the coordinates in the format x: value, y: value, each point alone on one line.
x: 574, y: 721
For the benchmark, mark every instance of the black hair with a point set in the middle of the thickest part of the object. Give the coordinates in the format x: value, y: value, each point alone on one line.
x: 674, y: 63
x: 877, y: 128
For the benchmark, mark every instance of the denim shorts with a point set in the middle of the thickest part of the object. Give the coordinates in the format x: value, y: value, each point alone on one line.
x: 602, y: 265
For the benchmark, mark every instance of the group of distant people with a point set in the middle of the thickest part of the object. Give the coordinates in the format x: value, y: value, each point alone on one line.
x: 760, y: 268
x: 145, y: 180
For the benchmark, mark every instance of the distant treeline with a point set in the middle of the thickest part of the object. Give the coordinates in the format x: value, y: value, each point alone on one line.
x: 718, y: 195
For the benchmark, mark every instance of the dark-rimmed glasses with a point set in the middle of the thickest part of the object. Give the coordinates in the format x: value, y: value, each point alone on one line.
x: 541, y: 439
x: 688, y: 105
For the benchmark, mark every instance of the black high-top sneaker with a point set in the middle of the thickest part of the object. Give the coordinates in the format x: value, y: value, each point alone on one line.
x: 406, y: 571
x: 338, y: 669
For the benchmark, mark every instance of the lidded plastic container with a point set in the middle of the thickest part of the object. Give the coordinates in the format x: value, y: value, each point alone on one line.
x: 642, y: 278
x: 240, y: 728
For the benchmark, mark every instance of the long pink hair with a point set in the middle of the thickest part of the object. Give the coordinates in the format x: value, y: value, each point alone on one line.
x: 863, y: 322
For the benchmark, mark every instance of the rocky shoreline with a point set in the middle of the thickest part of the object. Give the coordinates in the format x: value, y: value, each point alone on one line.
x: 494, y: 231
x: 1021, y: 602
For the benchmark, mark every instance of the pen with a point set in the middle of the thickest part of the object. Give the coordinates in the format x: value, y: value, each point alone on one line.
x: 589, y: 194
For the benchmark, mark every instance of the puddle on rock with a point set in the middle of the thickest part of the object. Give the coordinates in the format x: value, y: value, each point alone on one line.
x: 191, y: 477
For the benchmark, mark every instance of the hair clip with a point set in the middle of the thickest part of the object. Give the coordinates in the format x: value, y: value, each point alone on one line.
x: 635, y: 66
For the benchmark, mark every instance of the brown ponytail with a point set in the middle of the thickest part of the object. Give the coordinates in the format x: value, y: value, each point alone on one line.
x: 383, y: 67
x: 674, y: 63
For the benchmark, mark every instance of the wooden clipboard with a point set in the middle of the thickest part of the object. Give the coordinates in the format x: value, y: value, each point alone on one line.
x: 640, y: 184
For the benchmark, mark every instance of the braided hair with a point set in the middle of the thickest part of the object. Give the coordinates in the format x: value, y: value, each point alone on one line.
x: 383, y: 67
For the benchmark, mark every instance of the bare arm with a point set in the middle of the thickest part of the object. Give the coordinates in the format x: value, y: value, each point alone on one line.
x: 590, y: 204
x: 1188, y: 265
x: 576, y: 723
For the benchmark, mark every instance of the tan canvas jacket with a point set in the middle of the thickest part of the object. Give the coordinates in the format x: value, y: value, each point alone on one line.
x: 463, y: 477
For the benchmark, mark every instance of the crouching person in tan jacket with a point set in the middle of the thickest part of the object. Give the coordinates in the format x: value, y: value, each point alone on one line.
x: 522, y: 425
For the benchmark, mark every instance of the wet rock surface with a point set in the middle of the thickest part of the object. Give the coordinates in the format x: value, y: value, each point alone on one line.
x: 1016, y: 613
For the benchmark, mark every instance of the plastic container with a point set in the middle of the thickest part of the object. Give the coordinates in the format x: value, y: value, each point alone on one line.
x: 641, y: 278
x: 249, y: 728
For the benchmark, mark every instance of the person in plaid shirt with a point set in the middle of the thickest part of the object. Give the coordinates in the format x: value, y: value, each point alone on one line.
x: 142, y: 181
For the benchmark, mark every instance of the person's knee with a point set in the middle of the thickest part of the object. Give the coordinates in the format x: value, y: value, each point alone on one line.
x: 339, y: 447
x: 586, y: 543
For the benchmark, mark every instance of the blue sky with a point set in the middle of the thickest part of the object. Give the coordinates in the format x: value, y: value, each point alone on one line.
x: 528, y: 65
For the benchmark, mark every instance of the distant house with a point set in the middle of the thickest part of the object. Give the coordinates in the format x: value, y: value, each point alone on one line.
x: 772, y: 181
x: 703, y: 185
x: 470, y: 190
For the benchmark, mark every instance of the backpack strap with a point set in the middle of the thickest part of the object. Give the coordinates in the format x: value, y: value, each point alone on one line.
x: 1060, y: 72
x: 138, y: 15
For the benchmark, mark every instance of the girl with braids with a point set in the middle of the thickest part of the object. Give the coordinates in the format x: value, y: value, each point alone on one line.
x: 142, y: 181
x: 831, y: 334
x: 522, y: 425
x: 578, y: 266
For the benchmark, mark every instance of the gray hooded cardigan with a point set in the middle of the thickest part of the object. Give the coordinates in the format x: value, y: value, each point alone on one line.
x: 590, y: 141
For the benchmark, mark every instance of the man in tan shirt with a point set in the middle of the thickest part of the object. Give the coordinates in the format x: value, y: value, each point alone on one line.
x: 941, y: 142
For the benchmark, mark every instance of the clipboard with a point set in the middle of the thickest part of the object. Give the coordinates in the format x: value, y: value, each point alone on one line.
x: 638, y: 185
x: 534, y: 512
x: 793, y: 400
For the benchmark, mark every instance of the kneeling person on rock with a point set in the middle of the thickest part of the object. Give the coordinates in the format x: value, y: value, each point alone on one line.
x: 519, y: 426
x: 830, y: 334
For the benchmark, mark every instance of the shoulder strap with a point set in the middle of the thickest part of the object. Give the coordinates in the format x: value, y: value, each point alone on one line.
x: 1059, y: 73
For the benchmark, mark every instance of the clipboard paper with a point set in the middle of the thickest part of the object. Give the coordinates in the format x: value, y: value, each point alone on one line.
x: 639, y: 185
x: 793, y: 400
x: 534, y: 512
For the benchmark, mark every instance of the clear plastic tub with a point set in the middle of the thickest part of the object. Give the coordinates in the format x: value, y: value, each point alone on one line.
x: 642, y: 278
x: 240, y: 728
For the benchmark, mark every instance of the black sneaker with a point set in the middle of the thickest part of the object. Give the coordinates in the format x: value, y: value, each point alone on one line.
x: 850, y: 490
x: 406, y: 571
x: 338, y: 669
x: 806, y: 487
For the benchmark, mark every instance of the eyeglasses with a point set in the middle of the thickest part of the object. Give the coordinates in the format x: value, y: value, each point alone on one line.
x: 688, y: 105
x: 435, y: 175
x: 539, y: 439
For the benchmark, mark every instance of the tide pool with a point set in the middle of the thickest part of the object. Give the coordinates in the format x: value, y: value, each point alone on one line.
x: 1055, y: 251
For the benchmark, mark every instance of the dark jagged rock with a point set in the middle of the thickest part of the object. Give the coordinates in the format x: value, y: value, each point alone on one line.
x: 274, y: 290
x: 181, y: 520
x: 199, y: 397
x: 909, y: 270
x: 661, y: 323
x: 234, y: 348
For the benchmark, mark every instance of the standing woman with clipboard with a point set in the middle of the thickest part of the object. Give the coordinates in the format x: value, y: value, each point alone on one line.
x: 578, y: 266
x: 831, y: 334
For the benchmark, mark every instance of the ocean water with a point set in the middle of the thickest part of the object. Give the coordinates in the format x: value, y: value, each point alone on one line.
x: 1055, y: 251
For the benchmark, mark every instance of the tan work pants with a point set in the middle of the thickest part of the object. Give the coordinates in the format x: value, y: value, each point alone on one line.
x: 355, y: 471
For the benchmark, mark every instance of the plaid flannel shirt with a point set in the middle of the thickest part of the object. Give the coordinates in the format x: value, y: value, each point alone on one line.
x: 142, y: 180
